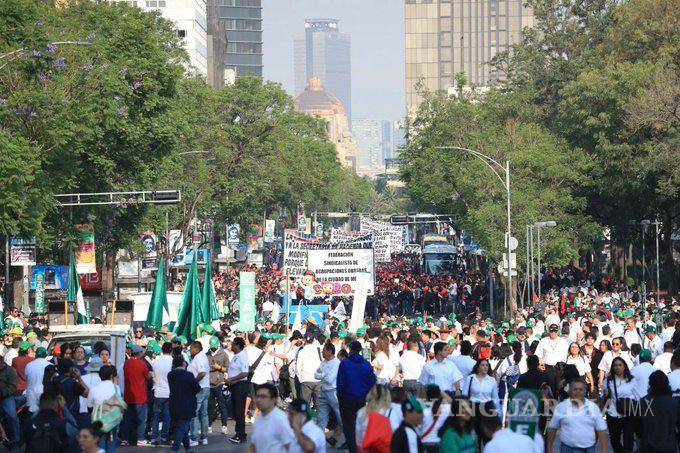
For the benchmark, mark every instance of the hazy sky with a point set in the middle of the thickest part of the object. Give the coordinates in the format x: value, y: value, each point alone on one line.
x: 376, y: 28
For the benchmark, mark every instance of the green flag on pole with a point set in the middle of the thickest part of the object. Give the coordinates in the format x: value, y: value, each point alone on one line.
x: 159, y: 298
x: 190, y: 315
x: 75, y: 293
x: 209, y: 308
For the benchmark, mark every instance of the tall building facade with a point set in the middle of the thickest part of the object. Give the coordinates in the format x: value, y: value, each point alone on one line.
x: 216, y: 41
x: 316, y: 101
x: 242, y: 20
x: 323, y: 52
x: 369, y: 136
x: 190, y: 19
x: 446, y: 37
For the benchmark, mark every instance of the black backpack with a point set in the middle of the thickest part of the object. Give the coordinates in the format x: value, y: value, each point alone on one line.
x: 45, y: 439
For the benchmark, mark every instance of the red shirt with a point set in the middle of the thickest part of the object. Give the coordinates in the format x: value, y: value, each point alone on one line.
x: 136, y: 374
x: 19, y: 363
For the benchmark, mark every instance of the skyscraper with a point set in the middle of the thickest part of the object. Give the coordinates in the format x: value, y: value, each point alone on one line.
x: 369, y: 136
x: 242, y: 20
x: 445, y: 37
x: 323, y: 52
x: 216, y: 41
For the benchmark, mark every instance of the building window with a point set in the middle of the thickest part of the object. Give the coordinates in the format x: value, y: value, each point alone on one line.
x: 244, y: 47
x: 182, y: 33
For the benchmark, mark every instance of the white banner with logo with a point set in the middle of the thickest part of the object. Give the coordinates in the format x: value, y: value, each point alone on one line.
x: 335, y: 265
x: 388, y: 238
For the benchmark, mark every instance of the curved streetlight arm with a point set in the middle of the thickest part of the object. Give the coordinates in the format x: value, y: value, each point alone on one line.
x: 486, y: 159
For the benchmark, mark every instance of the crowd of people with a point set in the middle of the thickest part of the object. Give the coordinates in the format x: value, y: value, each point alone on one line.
x: 428, y: 371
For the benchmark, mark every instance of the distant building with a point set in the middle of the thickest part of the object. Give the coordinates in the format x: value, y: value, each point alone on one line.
x: 316, y: 101
x: 216, y: 40
x: 368, y: 133
x: 446, y: 37
x: 392, y: 139
x: 323, y: 52
x: 242, y: 20
x: 190, y: 19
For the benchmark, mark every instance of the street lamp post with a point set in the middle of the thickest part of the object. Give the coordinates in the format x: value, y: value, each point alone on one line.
x: 539, y: 225
x: 644, y: 223
x: 658, y: 263
x: 505, y: 182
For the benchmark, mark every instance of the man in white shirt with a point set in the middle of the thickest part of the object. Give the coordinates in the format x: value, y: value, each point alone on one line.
x: 668, y: 330
x: 578, y: 420
x: 411, y: 365
x: 652, y: 342
x: 552, y: 349
x: 161, y: 366
x: 262, y: 364
x: 327, y: 373
x: 307, y: 362
x: 464, y: 362
x: 35, y: 371
x: 641, y: 373
x: 309, y: 437
x: 237, y: 381
x: 663, y: 361
x: 440, y: 371
x: 632, y: 334
x: 606, y: 363
x: 200, y: 368
x: 271, y: 430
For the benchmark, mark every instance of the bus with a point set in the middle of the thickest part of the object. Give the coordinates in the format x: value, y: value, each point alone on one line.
x: 439, y: 259
x: 433, y: 238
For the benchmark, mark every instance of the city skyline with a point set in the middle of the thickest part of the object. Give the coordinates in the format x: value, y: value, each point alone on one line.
x: 376, y: 28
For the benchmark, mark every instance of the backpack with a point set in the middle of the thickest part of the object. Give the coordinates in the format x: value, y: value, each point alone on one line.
x: 46, y: 438
x: 378, y: 437
x: 482, y: 351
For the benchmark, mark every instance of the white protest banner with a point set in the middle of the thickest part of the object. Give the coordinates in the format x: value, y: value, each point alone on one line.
x: 359, y: 305
x: 269, y: 227
x: 388, y: 238
x: 335, y: 265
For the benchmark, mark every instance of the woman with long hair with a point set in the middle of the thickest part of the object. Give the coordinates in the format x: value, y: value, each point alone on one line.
x: 660, y: 418
x: 482, y: 391
x: 378, y: 401
x: 509, y: 369
x: 619, y: 390
x: 576, y: 357
x: 384, y: 368
x: 457, y: 434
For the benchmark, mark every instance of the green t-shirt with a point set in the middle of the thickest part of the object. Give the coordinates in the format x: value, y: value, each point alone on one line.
x: 453, y: 443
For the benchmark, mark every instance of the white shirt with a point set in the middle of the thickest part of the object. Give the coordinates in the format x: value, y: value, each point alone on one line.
x: 264, y: 370
x: 412, y: 439
x: 328, y: 374
x: 161, y: 366
x: 411, y: 365
x: 551, y: 351
x: 238, y: 365
x: 663, y: 362
x: 667, y: 334
x: 577, y: 426
x: 632, y: 337
x: 606, y: 362
x: 10, y: 355
x: 655, y: 345
x: 430, y: 428
x: 624, y: 389
x: 396, y: 415
x: 444, y: 374
x: 90, y: 380
x: 35, y: 371
x: 100, y: 393
x: 201, y: 364
x: 387, y: 371
x: 507, y: 440
x: 315, y: 434
x: 581, y: 364
x: 674, y: 381
x: 464, y: 363
x: 481, y: 391
x: 641, y: 375
x: 308, y: 361
x: 272, y: 432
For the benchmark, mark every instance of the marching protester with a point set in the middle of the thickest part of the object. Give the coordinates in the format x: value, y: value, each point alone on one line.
x: 183, y: 390
x: 619, y: 394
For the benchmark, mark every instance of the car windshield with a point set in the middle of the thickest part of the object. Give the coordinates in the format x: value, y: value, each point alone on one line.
x: 86, y: 342
x: 440, y: 263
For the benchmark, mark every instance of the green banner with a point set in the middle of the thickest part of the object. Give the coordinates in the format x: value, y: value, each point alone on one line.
x: 524, y: 409
x: 246, y: 320
x: 40, y: 294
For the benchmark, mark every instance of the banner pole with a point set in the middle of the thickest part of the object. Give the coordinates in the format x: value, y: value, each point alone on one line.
x: 288, y: 304
x: 113, y: 312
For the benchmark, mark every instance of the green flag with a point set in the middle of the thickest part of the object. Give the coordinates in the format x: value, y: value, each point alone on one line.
x: 159, y: 298
x: 75, y: 293
x: 190, y: 310
x: 209, y: 307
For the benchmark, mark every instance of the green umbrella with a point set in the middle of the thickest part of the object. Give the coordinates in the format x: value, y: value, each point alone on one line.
x: 190, y: 309
x: 159, y: 299
x: 209, y: 306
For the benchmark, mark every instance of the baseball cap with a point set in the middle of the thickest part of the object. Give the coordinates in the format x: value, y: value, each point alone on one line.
x: 412, y: 405
x: 214, y: 342
x: 136, y: 349
x: 645, y: 355
x: 24, y: 346
x: 650, y: 329
x: 41, y: 353
x: 521, y: 331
